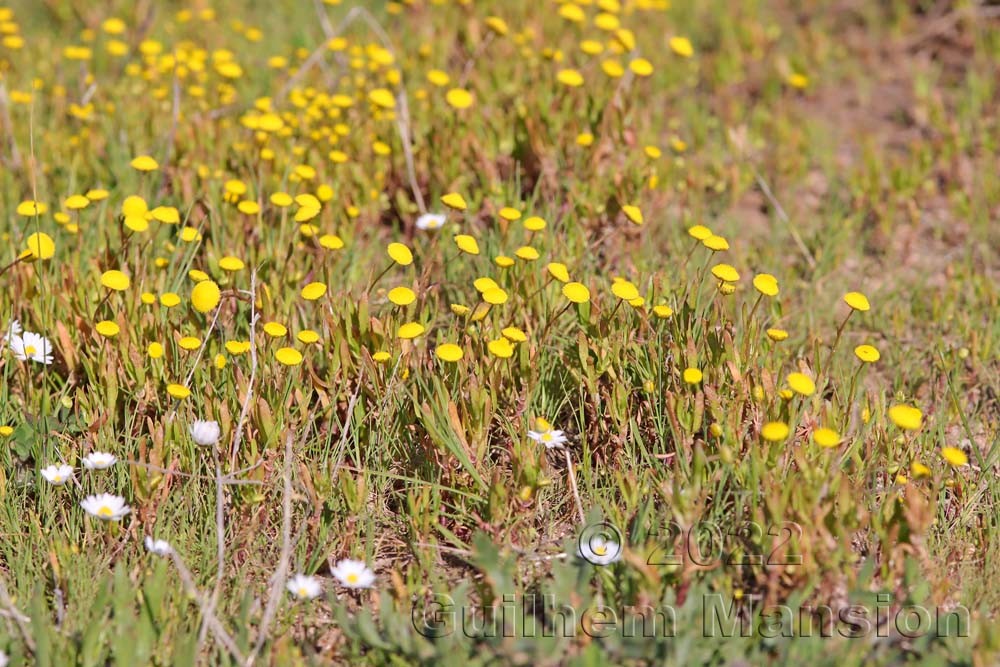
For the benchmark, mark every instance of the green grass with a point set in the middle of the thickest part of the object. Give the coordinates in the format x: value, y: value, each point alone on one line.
x: 877, y: 176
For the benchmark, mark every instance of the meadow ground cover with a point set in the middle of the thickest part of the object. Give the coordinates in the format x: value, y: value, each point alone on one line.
x: 453, y: 332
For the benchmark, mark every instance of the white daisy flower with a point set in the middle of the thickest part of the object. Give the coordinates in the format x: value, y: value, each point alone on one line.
x: 205, y: 433
x: 431, y: 221
x: 552, y: 439
x: 58, y: 475
x: 599, y: 551
x: 3, y: 659
x: 354, y: 574
x: 158, y: 547
x: 105, y: 506
x: 31, y: 346
x: 304, y: 587
x: 99, y: 460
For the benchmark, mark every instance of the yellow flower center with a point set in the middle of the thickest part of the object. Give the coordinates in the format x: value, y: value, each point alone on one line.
x: 546, y: 437
x: 303, y: 592
x: 104, y: 511
x: 600, y: 550
x: 352, y: 578
x: 29, y: 349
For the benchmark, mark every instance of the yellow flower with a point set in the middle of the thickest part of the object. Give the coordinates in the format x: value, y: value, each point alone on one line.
x: 572, y: 12
x: 681, y: 46
x: 76, y: 202
x: 449, y: 352
x: 458, y: 98
x: 331, y: 242
x: 503, y: 261
x: 725, y: 273
x: 410, y: 330
x: 307, y: 336
x: 906, y: 417
x: 40, y: 246
x: 802, y: 384
x: 381, y: 357
x: 189, y: 343
x: 797, y: 80
x: 281, y: 199
x: 625, y: 290
x: 115, y: 280
x: 700, y: 232
x: 438, y: 78
x: 641, y: 67
x: 570, y: 77
x: 107, y: 328
x: 766, y: 284
x: 500, y: 347
x: 169, y: 299
x: 231, y: 263
x: 382, y: 98
x: 495, y: 296
x: 509, y: 213
x: 166, y: 214
x: 576, y: 292
x: 205, y: 296
x: 867, y: 354
x: 534, y: 224
x: 248, y: 207
x: 527, y: 253
x: 138, y: 223
x: 313, y: 291
x: 188, y: 234
x: 857, y: 301
x: 514, y: 334
x: 826, y: 437
x: 715, y: 243
x: 178, y: 391
x: 585, y: 139
x: 402, y: 296
x: 275, y: 329
x: 558, y: 271
x: 467, y: 244
x: 483, y: 284
x: 497, y: 25
x: 918, y: 470
x: 113, y: 26
x: 777, y: 335
x: 144, y: 163
x: 954, y: 456
x: 633, y: 214
x: 155, y: 350
x: 774, y: 431
x: 692, y: 375
x: 454, y: 201
x: 663, y: 311
x: 400, y: 254
x: 606, y: 21
x: 6, y: 431
x: 237, y: 346
x: 288, y: 356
